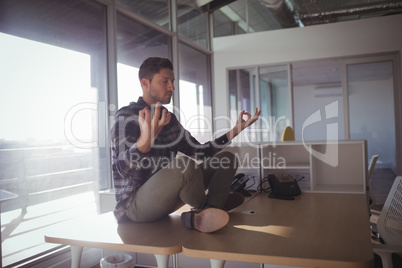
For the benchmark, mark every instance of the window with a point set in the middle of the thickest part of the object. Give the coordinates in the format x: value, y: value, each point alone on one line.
x: 54, y: 146
x: 135, y: 43
x: 52, y: 88
x: 249, y: 16
x: 195, y: 93
x: 155, y: 11
x: 192, y: 23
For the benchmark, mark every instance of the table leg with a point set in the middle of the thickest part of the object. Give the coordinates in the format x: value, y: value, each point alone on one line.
x: 76, y: 253
x: 217, y: 263
x: 162, y: 261
x: 175, y: 260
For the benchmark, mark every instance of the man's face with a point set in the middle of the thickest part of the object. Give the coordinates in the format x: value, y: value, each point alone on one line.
x: 160, y: 88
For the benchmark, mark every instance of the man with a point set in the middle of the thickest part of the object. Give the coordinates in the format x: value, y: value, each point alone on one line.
x: 150, y: 180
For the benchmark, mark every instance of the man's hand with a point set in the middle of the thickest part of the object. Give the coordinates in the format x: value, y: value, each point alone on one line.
x: 242, y: 123
x: 151, y: 127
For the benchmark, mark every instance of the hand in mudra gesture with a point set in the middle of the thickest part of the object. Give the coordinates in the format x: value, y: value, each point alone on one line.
x: 151, y: 127
x: 242, y: 123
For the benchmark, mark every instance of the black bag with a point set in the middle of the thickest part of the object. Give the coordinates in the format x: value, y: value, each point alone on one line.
x: 283, y: 188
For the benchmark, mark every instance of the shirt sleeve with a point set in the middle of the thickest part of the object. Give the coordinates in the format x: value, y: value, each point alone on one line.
x: 127, y: 162
x: 126, y: 156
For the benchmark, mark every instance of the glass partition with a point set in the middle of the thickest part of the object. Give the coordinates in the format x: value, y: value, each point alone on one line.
x: 242, y: 89
x: 270, y: 94
x: 371, y: 109
x: 275, y: 101
x: 318, y: 100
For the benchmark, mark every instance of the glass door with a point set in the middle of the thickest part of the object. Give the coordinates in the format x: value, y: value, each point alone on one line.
x: 369, y: 94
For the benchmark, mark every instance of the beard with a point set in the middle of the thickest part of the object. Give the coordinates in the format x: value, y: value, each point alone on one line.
x: 163, y: 97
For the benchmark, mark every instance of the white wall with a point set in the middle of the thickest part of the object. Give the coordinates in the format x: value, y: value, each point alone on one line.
x: 343, y: 39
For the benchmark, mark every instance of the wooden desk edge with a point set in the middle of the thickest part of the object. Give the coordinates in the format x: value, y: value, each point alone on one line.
x: 275, y: 260
x: 114, y: 246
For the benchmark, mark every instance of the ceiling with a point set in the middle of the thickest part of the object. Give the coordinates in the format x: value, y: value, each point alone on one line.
x: 263, y: 15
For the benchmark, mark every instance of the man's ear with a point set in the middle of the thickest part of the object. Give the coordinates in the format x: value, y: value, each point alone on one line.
x: 145, y: 83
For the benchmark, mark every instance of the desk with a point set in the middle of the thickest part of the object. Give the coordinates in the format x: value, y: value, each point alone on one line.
x: 315, y: 230
x: 161, y: 238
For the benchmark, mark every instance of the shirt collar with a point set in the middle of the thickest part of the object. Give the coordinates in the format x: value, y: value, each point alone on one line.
x: 141, y: 103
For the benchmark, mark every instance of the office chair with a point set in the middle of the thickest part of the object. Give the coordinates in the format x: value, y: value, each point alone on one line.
x: 288, y: 134
x: 389, y: 225
x: 370, y: 195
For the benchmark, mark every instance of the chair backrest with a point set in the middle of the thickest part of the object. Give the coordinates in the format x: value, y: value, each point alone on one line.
x: 389, y: 223
x: 288, y: 134
x: 373, y: 161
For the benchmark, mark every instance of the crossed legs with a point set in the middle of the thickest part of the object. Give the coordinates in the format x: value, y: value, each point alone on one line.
x: 184, y: 181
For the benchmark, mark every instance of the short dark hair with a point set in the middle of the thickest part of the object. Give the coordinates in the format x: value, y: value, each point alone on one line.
x: 152, y: 66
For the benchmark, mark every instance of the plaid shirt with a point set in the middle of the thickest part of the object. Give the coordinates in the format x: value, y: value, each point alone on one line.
x: 131, y: 168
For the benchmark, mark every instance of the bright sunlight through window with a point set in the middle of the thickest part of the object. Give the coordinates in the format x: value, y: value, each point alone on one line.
x: 45, y: 180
